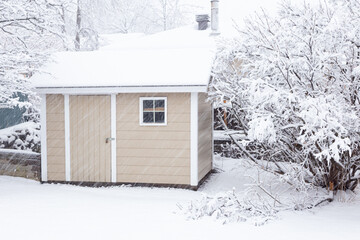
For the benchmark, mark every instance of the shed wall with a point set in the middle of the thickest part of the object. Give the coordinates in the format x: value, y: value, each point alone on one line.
x: 153, y: 154
x: 205, y: 136
x: 55, y: 131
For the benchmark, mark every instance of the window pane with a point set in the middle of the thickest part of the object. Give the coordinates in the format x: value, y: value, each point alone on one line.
x: 148, y: 117
x: 148, y: 105
x: 159, y: 117
x: 159, y: 105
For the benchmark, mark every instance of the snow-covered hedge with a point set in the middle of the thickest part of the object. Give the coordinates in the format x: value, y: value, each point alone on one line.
x: 25, y: 136
x: 294, y: 84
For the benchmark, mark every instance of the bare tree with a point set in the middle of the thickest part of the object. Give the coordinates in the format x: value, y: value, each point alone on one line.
x: 78, y: 25
x: 28, y: 30
x: 170, y: 13
x: 148, y: 16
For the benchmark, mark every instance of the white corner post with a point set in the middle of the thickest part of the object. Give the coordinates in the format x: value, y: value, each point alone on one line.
x: 194, y: 174
x: 212, y: 136
x: 113, y: 137
x: 43, y: 139
x: 67, y: 137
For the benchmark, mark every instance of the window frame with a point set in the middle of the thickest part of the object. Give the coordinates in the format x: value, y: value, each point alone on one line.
x: 141, y: 111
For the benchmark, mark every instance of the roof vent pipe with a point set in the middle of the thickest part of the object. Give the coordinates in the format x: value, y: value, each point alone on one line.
x: 203, y: 21
x: 215, y: 16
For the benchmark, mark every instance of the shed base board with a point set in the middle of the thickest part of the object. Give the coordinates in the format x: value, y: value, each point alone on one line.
x: 111, y: 184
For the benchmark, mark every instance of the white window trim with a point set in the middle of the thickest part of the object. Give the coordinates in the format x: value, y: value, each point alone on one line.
x: 141, y: 111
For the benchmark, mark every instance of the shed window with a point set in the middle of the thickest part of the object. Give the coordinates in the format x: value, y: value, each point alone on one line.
x: 153, y: 110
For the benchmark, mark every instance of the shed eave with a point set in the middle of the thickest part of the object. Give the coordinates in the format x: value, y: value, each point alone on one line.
x: 120, y: 89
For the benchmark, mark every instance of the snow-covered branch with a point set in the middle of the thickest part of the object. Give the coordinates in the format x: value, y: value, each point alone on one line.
x: 29, y: 30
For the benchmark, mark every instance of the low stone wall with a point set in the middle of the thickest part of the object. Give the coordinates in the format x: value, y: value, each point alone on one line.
x: 20, y: 164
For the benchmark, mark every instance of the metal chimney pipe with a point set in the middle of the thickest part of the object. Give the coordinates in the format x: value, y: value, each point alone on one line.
x: 215, y: 16
x: 203, y: 21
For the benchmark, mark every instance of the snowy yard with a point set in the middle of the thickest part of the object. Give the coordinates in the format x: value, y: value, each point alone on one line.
x: 30, y: 210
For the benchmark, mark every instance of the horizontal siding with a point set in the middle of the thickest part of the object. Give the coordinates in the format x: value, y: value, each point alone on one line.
x: 150, y: 135
x: 158, y: 179
x: 55, y: 104
x: 153, y: 170
x: 56, y: 152
x: 205, y: 136
x: 141, y: 151
x: 54, y: 176
x: 171, y: 127
x: 57, y: 160
x: 58, y: 134
x: 153, y: 154
x: 56, y: 168
x: 54, y: 117
x: 151, y: 161
x: 56, y: 126
x: 153, y: 144
x: 56, y: 143
x: 55, y: 131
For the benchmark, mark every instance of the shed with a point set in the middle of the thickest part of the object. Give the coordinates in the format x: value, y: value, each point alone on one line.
x: 134, y: 111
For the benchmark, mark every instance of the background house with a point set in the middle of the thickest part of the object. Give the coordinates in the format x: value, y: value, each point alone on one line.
x: 12, y: 116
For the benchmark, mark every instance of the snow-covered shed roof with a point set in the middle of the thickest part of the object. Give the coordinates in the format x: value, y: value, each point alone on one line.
x: 177, y: 58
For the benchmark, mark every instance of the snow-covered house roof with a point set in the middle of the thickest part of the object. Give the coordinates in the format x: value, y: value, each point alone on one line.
x: 180, y: 58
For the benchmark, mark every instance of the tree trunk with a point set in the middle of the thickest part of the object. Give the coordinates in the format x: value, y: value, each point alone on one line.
x: 78, y: 27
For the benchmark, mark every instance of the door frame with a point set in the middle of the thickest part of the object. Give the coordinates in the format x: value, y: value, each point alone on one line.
x: 112, y: 130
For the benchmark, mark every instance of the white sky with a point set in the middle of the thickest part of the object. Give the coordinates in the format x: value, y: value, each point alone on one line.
x: 237, y: 10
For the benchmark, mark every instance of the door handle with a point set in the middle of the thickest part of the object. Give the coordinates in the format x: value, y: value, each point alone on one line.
x: 107, y: 140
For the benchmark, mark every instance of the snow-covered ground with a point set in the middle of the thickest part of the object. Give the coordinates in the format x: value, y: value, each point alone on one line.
x: 30, y: 210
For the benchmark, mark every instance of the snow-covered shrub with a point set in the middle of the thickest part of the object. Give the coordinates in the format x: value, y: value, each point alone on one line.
x: 25, y: 136
x: 228, y: 207
x: 259, y: 195
x: 294, y: 84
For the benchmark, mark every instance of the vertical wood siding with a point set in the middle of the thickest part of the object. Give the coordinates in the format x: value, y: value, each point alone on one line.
x: 205, y: 136
x: 89, y: 127
x: 153, y: 154
x: 55, y: 131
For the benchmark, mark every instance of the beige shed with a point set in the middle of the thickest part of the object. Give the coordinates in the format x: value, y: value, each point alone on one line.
x: 134, y: 111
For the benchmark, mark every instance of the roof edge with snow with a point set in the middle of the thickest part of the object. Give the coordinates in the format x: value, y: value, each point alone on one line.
x: 121, y: 89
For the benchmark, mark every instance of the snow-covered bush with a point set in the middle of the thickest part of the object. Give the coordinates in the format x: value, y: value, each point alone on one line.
x: 257, y: 196
x: 294, y: 83
x: 24, y: 136
x: 228, y: 207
